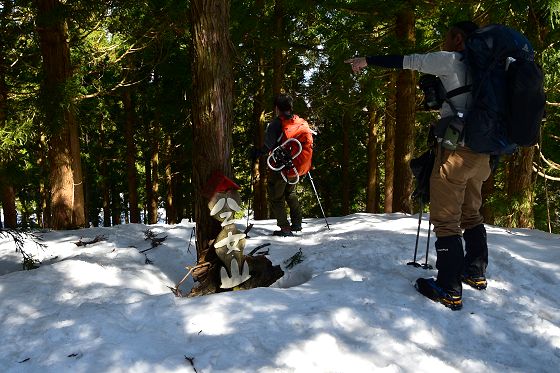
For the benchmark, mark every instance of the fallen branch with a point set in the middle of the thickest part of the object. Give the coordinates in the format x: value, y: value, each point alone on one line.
x: 85, y: 243
x: 257, y: 248
x: 176, y: 290
x: 191, y: 360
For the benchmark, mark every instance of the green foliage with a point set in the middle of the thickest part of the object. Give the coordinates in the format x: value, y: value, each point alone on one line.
x: 144, y: 48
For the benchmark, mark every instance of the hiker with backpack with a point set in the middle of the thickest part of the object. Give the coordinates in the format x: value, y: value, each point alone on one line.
x: 289, y: 143
x: 457, y: 175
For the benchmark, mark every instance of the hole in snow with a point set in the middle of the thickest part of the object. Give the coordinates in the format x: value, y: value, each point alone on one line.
x: 297, y: 276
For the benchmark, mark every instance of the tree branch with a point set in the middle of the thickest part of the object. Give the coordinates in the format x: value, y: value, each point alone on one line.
x: 538, y: 169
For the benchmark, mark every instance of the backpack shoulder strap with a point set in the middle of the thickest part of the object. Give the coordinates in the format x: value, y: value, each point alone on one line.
x: 458, y: 91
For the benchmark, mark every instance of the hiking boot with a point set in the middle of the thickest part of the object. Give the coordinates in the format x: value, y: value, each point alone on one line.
x: 477, y: 282
x: 429, y: 288
x: 296, y: 227
x: 283, y: 232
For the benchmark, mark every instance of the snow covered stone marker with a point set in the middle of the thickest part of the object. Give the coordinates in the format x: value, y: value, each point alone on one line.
x: 230, y: 242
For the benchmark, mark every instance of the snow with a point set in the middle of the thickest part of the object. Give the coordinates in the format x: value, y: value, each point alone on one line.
x: 349, y: 306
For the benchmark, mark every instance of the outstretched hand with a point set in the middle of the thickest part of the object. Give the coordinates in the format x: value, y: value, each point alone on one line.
x: 357, y: 63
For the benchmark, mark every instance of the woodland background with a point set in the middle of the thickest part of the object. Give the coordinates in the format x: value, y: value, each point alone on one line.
x: 113, y: 109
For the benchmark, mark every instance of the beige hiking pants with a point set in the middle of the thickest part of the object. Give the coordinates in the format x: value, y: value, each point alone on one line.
x: 455, y: 190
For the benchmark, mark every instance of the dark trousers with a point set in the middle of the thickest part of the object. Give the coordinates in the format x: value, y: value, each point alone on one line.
x: 476, y: 247
x: 451, y: 263
x: 279, y: 193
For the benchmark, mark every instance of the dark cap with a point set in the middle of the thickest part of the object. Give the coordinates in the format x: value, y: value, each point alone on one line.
x: 284, y: 102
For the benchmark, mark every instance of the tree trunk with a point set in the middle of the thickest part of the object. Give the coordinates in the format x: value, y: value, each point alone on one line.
x: 43, y: 205
x: 390, y: 115
x: 212, y: 131
x: 6, y: 186
x: 371, y: 191
x: 487, y: 191
x: 212, y: 125
x: 260, y: 205
x: 9, y: 205
x: 104, y: 178
x: 115, y: 205
x: 64, y: 148
x: 520, y: 188
x: 154, y: 166
x: 278, y: 54
x: 170, y: 211
x: 346, y: 128
x: 132, y: 176
x: 149, y: 215
x: 404, y: 139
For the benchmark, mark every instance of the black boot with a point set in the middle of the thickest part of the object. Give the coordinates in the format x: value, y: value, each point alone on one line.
x: 476, y: 257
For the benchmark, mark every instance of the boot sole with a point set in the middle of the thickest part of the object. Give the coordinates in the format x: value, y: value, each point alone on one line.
x: 478, y: 285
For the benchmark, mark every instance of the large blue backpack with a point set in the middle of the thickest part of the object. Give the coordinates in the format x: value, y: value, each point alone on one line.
x: 507, y: 89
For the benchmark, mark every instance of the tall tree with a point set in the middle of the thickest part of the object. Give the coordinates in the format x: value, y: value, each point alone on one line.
x: 212, y: 123
x: 132, y: 178
x: 278, y: 55
x: 389, y: 123
x: 7, y: 192
x: 260, y: 205
x: 345, y: 161
x: 404, y: 139
x: 66, y: 181
x: 372, y: 180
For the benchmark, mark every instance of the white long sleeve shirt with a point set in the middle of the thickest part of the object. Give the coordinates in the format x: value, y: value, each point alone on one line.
x: 451, y: 69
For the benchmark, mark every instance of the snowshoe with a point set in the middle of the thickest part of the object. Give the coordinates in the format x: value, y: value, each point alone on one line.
x: 283, y: 233
x: 430, y: 289
x: 296, y: 227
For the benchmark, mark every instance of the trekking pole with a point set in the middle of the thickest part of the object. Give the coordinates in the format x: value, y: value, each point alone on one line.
x: 426, y: 265
x: 250, y: 194
x: 414, y: 263
x: 318, y: 200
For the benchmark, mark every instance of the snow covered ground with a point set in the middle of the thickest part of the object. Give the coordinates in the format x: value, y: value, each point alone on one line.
x: 348, y: 307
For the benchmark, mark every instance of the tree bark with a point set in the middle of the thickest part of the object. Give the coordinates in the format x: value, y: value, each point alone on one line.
x: 520, y: 188
x: 346, y: 128
x: 154, y: 166
x: 8, y: 196
x: 405, y: 119
x: 170, y: 210
x: 260, y: 168
x: 278, y: 55
x: 260, y: 205
x: 132, y: 176
x: 64, y: 147
x: 371, y: 190
x: 487, y: 211
x: 104, y: 178
x: 148, y: 186
x: 212, y: 125
x: 9, y: 205
x: 212, y: 133
x: 390, y: 120
x: 116, y: 208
